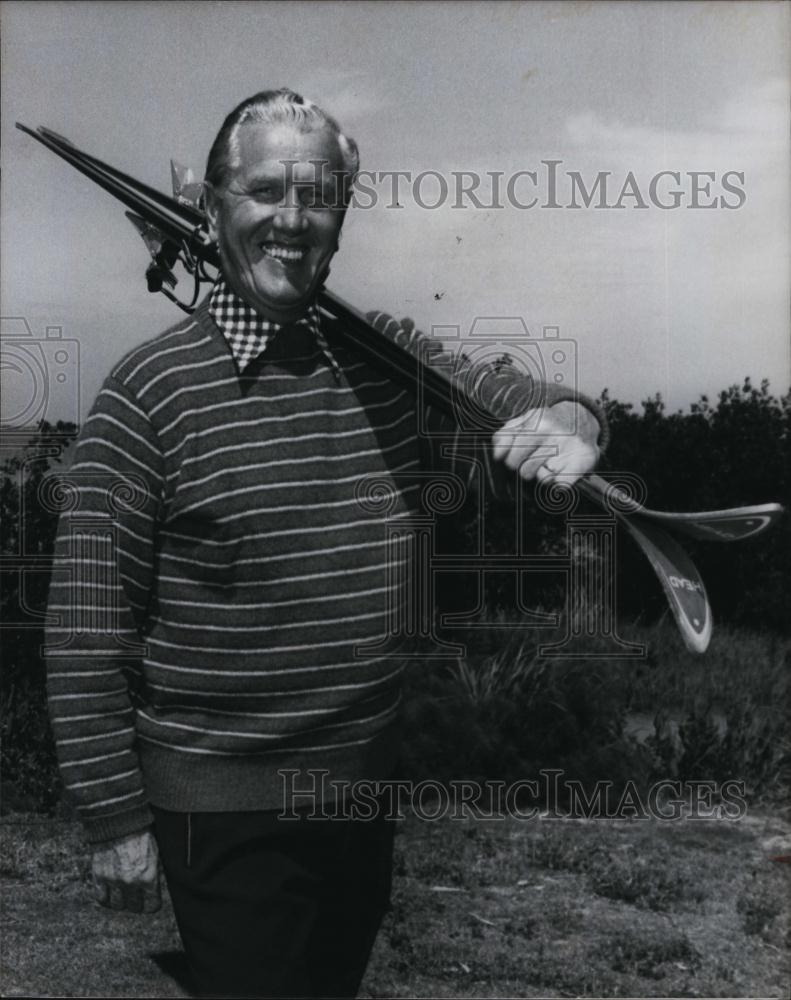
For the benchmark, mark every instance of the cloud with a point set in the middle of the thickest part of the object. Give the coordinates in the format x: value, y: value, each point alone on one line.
x: 747, y: 132
x: 679, y: 301
x: 349, y: 95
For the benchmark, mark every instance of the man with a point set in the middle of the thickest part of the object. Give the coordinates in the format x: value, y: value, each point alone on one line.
x: 238, y: 579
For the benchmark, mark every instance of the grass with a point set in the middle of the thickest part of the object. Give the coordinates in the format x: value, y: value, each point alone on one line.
x: 503, y: 709
x: 739, y: 663
x: 536, y: 912
x: 514, y: 907
x: 545, y: 907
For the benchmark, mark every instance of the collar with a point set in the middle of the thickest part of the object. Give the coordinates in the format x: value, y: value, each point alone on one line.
x: 249, y: 334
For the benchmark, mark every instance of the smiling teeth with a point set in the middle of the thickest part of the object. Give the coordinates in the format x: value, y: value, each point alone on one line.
x: 283, y: 253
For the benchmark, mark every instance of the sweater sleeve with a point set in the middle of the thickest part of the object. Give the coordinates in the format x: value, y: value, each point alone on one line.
x: 101, y: 585
x: 483, y: 398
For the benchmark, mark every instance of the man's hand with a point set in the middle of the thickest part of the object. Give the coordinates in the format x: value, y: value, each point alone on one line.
x: 126, y: 874
x: 557, y: 443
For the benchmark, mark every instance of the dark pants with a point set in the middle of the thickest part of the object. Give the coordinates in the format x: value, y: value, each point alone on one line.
x: 276, y: 908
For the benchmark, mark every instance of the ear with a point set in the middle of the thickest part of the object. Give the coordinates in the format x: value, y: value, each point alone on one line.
x: 212, y: 201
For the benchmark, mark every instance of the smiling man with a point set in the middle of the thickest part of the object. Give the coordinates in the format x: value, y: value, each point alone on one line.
x: 275, y: 204
x: 245, y: 609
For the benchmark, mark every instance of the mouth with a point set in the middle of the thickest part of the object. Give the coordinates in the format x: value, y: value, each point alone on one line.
x: 283, y: 252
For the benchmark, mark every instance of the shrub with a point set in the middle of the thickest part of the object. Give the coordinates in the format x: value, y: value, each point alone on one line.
x: 508, y: 714
x: 646, y: 954
x: 763, y: 908
x: 30, y: 778
x: 654, y: 883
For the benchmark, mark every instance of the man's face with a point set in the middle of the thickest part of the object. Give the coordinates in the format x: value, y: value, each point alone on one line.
x: 275, y: 221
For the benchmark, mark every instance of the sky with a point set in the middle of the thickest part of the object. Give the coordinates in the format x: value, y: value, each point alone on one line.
x: 678, y: 301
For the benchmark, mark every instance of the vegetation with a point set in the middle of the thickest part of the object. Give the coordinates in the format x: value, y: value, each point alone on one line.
x: 504, y: 711
x: 735, y: 452
x: 28, y: 521
x: 517, y: 908
x: 513, y: 907
x: 502, y: 707
x: 713, y: 457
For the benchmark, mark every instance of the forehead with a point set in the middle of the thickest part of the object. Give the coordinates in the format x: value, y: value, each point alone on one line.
x: 264, y: 148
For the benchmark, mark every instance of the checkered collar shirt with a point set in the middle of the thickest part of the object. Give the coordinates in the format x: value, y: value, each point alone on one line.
x: 248, y: 334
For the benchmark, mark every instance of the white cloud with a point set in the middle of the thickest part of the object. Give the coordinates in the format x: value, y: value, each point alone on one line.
x: 349, y: 95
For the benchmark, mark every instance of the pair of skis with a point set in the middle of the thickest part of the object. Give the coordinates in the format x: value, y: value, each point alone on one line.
x: 680, y: 579
x: 173, y: 230
x: 681, y: 582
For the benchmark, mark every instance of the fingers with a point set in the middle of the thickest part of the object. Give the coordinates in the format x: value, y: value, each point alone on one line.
x: 101, y: 892
x: 544, y: 474
x: 152, y: 897
x: 502, y: 441
x: 144, y: 898
x: 544, y: 450
x: 514, y: 446
x: 520, y: 451
x: 116, y: 896
x: 530, y: 468
x: 109, y: 894
x: 577, y: 459
x: 135, y: 897
x: 518, y: 440
x: 126, y: 874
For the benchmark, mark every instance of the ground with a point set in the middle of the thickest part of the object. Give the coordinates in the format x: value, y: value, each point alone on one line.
x: 512, y: 908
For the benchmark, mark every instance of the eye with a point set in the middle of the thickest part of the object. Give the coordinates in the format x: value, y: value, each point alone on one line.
x: 267, y: 192
x: 318, y: 196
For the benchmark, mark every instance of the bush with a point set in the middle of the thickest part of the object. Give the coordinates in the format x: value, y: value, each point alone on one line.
x: 510, y: 713
x: 655, y: 883
x: 27, y: 752
x: 502, y: 712
x: 731, y: 454
x: 735, y: 453
x: 506, y: 712
x: 763, y: 908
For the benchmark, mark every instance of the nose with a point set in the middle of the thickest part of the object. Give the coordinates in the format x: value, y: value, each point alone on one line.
x: 290, y: 215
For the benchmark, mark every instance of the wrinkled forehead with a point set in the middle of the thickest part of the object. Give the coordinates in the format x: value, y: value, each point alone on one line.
x: 269, y: 149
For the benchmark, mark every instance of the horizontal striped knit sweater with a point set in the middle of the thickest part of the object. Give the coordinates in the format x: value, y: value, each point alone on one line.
x: 220, y: 572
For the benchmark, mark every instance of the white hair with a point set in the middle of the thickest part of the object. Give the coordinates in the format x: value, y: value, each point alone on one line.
x: 275, y: 107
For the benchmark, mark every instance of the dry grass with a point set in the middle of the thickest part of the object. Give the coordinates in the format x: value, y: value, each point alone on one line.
x: 480, y: 909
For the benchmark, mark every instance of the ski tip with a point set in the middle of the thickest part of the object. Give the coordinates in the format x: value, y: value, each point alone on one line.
x: 733, y: 525
x: 691, y: 609
x: 187, y: 189
x: 54, y: 136
x: 695, y: 641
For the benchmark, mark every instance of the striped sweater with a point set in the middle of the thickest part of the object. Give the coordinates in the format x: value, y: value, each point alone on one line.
x: 222, y: 588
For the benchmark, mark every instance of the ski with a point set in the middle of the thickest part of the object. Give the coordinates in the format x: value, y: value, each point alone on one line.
x: 678, y: 575
x: 730, y: 525
x: 173, y: 230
